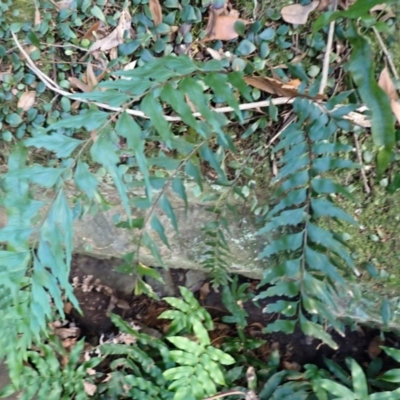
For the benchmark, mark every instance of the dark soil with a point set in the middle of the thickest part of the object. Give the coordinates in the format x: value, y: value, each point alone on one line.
x: 295, y: 350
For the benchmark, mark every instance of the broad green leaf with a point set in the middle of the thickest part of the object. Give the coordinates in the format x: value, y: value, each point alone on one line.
x: 62, y: 145
x: 342, y: 392
x: 282, y: 288
x: 43, y: 176
x: 213, y: 369
x: 338, y: 371
x: 394, y: 395
x: 91, y: 120
x: 166, y: 206
x: 127, y: 127
x: 103, y: 152
x: 220, y: 356
x: 322, y: 207
x: 315, y: 330
x: 272, y: 383
x: 206, y: 380
x: 363, y: 72
x: 178, y: 372
x: 320, y: 262
x: 355, y: 11
x: 85, y: 180
x: 218, y: 84
x: 157, y: 226
x: 290, y: 242
x: 183, y: 357
x: 392, y: 375
x: 179, y: 188
x: 391, y: 352
x: 360, y: 386
x: 152, y: 108
x: 208, y: 155
x: 294, y: 197
x: 111, y: 97
x: 200, y: 332
x: 194, y: 171
x: 176, y: 100
x: 288, y: 308
x: 196, y: 95
x: 281, y: 325
x: 288, y: 217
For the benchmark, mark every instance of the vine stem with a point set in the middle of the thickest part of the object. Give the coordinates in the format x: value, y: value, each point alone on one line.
x: 355, y: 117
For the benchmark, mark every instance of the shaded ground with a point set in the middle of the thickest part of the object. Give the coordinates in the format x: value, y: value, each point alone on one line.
x: 296, y: 350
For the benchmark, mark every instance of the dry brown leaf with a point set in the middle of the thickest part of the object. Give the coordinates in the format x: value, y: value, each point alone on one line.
x: 68, y: 307
x: 156, y: 11
x: 92, y: 33
x: 274, y: 86
x: 204, y: 290
x: 27, y: 100
x: 116, y: 37
x: 90, y: 388
x: 396, y: 109
x: 77, y: 84
x: 223, y: 28
x: 61, y: 5
x: 374, y: 348
x: 323, y: 5
x: 90, y: 76
x: 298, y: 14
x: 386, y: 83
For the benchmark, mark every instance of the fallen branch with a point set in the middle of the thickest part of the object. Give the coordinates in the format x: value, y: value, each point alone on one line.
x: 355, y: 117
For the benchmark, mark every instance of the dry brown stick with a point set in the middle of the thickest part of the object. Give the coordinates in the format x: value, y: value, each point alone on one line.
x: 360, y: 160
x: 328, y: 52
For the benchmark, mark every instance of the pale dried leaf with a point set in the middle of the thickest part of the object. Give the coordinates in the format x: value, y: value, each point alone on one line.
x: 116, y: 37
x: 128, y: 67
x: 223, y: 28
x: 61, y: 5
x: 90, y: 76
x: 77, y: 84
x: 298, y: 14
x: 396, y: 109
x: 215, y: 54
x: 156, y: 11
x: 27, y: 100
x: 323, y: 5
x: 386, y: 83
x: 68, y: 307
x: 38, y: 18
x: 90, y: 388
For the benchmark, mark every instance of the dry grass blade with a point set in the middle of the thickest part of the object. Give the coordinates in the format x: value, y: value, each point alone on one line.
x: 27, y: 100
x: 38, y: 18
x: 298, y: 14
x: 156, y: 11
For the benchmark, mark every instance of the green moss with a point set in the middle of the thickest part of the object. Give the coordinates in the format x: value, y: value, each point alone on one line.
x: 21, y: 11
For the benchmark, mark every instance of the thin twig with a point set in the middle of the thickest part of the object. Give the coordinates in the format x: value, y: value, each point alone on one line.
x: 327, y: 57
x: 355, y: 117
x: 360, y: 160
x: 386, y: 52
x: 229, y: 393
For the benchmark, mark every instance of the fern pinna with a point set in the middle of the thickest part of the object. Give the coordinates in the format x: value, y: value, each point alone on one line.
x: 310, y: 256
